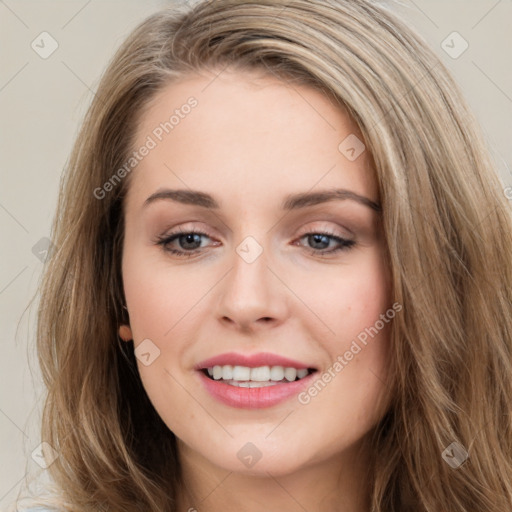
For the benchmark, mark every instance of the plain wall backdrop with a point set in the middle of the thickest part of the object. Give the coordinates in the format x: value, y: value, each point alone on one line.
x: 44, y: 92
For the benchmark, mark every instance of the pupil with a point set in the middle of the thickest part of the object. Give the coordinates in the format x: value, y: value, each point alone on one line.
x: 189, y: 238
x: 318, y: 239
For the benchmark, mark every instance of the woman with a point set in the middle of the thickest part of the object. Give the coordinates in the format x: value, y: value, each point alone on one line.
x: 283, y: 278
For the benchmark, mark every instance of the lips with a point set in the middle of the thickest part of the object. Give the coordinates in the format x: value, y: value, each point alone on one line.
x: 252, y: 361
x: 259, y: 393
x: 253, y: 398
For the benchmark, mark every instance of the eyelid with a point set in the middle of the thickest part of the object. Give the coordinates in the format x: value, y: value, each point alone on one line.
x: 344, y: 243
x: 188, y: 227
x: 342, y: 231
x: 327, y: 228
x: 306, y: 229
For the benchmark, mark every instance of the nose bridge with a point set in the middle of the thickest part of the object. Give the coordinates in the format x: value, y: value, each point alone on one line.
x: 249, y: 278
x: 250, y: 291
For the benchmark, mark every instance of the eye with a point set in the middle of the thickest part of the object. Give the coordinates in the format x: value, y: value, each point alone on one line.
x: 320, y: 240
x: 189, y: 240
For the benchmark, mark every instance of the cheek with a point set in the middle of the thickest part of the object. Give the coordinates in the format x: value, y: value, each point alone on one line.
x: 348, y: 299
x: 366, y: 298
x: 156, y: 295
x: 157, y: 300
x: 357, y: 312
x: 359, y: 351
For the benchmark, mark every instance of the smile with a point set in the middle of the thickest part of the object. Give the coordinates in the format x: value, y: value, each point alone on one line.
x: 244, y: 376
x: 241, y: 390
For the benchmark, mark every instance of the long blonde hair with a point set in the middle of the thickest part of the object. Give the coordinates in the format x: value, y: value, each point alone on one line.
x: 448, y: 232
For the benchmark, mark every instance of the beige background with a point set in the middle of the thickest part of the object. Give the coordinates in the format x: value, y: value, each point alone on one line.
x: 43, y: 100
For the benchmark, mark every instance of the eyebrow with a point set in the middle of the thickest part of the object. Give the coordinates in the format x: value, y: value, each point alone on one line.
x: 292, y: 202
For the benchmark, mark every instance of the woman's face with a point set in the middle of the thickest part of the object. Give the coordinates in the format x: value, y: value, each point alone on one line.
x: 275, y: 270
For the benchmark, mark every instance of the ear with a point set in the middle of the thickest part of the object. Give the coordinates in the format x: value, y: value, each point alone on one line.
x: 125, y: 332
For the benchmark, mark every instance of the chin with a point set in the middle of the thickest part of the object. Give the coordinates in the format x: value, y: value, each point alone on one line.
x: 247, y: 459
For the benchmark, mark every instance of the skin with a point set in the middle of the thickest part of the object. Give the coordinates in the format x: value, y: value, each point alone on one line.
x: 250, y: 142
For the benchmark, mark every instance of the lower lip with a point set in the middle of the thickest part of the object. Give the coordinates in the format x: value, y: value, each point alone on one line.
x: 254, y: 398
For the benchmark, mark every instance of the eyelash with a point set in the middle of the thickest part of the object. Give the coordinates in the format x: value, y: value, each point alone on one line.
x: 164, y: 241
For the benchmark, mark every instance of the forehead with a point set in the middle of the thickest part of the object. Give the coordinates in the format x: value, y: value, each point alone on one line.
x: 246, y: 134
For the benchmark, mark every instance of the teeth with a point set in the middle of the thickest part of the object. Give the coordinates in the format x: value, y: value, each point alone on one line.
x: 246, y: 377
x: 250, y: 384
x: 302, y: 373
x: 290, y: 374
x: 217, y: 372
x: 240, y: 373
x: 261, y: 374
x: 227, y: 372
x: 277, y: 373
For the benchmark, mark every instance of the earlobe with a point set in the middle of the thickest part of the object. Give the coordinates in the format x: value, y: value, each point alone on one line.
x: 125, y: 333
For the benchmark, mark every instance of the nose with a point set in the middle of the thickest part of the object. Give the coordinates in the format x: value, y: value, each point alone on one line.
x: 252, y: 295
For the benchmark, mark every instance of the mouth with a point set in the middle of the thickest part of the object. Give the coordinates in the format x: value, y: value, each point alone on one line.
x: 255, y: 377
x: 250, y: 387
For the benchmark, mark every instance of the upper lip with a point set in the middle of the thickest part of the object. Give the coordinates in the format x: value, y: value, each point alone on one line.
x: 251, y: 360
